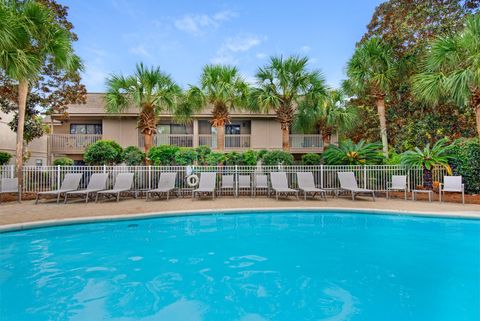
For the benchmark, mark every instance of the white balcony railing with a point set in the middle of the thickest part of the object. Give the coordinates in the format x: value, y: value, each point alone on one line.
x: 181, y: 140
x: 237, y: 141
x: 71, y: 143
x: 306, y: 142
x: 207, y: 140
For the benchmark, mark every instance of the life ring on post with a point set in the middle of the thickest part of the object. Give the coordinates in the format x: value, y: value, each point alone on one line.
x: 192, y: 180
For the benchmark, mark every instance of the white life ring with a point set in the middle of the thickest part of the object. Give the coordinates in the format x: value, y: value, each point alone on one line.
x: 192, y: 180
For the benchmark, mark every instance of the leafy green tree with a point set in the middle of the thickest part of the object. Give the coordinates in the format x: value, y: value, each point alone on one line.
x: 215, y: 158
x: 103, y: 152
x: 163, y: 154
x: 311, y: 159
x: 452, y: 69
x: 277, y: 157
x: 224, y: 89
x: 133, y: 156
x: 185, y: 156
x: 150, y: 90
x: 438, y: 155
x: 29, y: 37
x: 465, y: 161
x: 63, y: 161
x: 282, y: 85
x: 329, y: 115
x: 349, y: 153
x: 371, y: 71
x: 233, y: 158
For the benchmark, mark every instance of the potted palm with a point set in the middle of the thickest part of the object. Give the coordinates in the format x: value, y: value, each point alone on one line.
x: 437, y: 155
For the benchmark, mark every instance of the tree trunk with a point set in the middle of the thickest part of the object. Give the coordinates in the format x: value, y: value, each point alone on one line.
x: 148, y: 138
x: 22, y: 105
x: 285, y: 138
x: 221, y: 137
x: 326, y: 141
x: 427, y: 178
x: 383, y: 125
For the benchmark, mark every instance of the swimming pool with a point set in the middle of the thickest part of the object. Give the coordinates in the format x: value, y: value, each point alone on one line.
x: 286, y: 265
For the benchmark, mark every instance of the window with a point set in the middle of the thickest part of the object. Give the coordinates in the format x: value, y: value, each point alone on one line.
x: 38, y: 162
x: 86, y: 129
x: 232, y: 129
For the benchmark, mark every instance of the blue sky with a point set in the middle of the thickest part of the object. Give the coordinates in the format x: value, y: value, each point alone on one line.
x: 182, y: 36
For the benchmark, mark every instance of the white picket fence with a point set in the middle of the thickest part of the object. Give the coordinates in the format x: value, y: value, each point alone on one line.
x: 376, y: 177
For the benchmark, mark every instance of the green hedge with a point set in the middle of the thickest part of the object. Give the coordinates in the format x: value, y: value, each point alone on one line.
x: 103, y: 152
x: 163, y: 155
x: 63, y: 161
x: 133, y: 156
x: 5, y: 158
x: 466, y: 162
x: 185, y: 156
x: 311, y: 159
x: 278, y: 157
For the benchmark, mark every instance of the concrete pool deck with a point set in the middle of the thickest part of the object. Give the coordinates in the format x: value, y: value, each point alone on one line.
x: 17, y: 216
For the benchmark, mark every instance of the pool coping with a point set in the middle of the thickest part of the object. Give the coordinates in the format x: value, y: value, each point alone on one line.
x: 472, y: 215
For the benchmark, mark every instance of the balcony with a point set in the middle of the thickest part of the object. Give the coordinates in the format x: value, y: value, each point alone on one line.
x: 207, y: 140
x: 236, y: 142
x: 181, y: 140
x: 306, y: 143
x: 71, y: 143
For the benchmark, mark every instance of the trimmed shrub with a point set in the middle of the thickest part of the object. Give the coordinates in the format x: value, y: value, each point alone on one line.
x: 63, y: 161
x: 5, y: 158
x: 215, y: 158
x: 311, y: 159
x: 278, y: 157
x: 163, y: 155
x: 103, y: 152
x: 249, y: 158
x: 133, y: 156
x: 233, y: 158
x: 185, y: 156
x: 261, y: 153
x: 466, y: 162
x: 202, y: 153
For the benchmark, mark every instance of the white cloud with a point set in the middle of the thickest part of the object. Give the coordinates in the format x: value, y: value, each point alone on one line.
x: 305, y: 49
x: 198, y: 23
x: 94, y: 78
x: 242, y: 43
x: 261, y: 55
x: 140, y: 50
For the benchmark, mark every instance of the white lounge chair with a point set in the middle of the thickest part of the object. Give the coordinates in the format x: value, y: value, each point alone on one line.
x: 166, y: 184
x: 452, y: 184
x: 306, y: 184
x: 8, y: 185
x: 123, y: 184
x: 260, y: 182
x: 280, y: 184
x: 348, y: 183
x: 70, y: 183
x: 244, y: 183
x: 98, y: 182
x: 399, y: 183
x: 227, y: 184
x: 207, y: 185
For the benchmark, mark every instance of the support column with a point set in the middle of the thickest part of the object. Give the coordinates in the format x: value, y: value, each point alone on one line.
x: 195, y: 133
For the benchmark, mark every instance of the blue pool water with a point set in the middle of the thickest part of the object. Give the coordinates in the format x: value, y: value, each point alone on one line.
x: 251, y: 267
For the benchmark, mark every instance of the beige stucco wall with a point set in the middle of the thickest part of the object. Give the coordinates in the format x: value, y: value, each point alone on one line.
x: 266, y: 133
x: 37, y: 148
x: 121, y: 129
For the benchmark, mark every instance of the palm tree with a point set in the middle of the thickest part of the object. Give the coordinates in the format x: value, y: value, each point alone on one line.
x: 371, y: 71
x: 29, y: 36
x: 222, y: 87
x: 330, y: 115
x: 282, y: 85
x: 349, y: 153
x: 452, y: 69
x: 150, y: 90
x: 428, y: 158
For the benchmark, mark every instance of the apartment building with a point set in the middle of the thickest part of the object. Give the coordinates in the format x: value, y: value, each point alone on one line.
x: 8, y: 140
x: 90, y: 122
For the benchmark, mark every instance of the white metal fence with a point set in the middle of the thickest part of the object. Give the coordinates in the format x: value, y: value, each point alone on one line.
x: 376, y: 177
